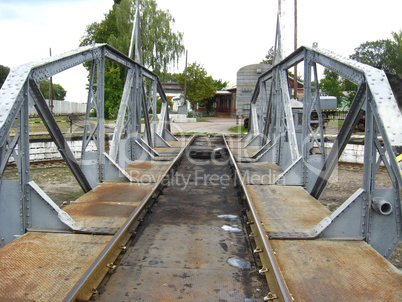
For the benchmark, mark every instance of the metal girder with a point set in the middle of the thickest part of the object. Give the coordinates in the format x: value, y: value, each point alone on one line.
x: 58, y: 138
x: 21, y: 202
x: 371, y: 214
x: 340, y: 143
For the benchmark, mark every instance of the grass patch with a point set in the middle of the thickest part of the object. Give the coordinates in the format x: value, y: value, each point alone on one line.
x: 202, y: 120
x: 238, y: 129
x: 335, y: 123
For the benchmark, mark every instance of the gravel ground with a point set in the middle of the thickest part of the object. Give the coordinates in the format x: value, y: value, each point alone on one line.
x: 214, y: 125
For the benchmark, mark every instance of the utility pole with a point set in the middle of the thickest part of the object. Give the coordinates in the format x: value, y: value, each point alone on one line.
x: 295, y: 85
x: 185, y: 82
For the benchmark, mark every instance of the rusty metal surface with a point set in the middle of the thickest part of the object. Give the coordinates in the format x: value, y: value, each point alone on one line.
x: 147, y: 171
x: 181, y: 142
x: 317, y: 270
x: 286, y: 208
x: 243, y: 154
x: 234, y: 142
x: 108, y: 205
x: 184, y: 249
x: 44, y: 266
x: 259, y: 173
x: 167, y: 152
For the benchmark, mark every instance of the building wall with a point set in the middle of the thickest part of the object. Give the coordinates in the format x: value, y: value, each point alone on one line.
x: 247, y: 77
x: 63, y: 108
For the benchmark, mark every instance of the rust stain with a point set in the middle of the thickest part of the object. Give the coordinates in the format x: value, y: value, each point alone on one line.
x: 139, y: 165
x: 102, y: 209
x: 286, y: 208
x: 44, y: 266
x: 116, y: 192
x: 318, y: 270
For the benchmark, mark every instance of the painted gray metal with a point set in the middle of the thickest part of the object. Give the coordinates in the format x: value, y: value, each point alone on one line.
x: 22, y: 203
x: 371, y: 214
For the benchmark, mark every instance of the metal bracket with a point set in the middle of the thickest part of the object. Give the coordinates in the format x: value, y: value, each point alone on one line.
x: 46, y: 214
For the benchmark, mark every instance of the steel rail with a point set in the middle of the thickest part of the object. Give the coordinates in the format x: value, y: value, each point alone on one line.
x: 74, y: 293
x: 267, y: 246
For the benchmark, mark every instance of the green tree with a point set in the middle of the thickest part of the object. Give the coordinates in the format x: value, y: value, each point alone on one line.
x: 59, y: 93
x: 4, y: 71
x: 161, y: 46
x: 269, y: 58
x: 396, y: 54
x: 113, y: 92
x: 383, y: 54
x: 208, y: 103
x: 167, y: 77
x: 331, y: 84
x: 200, y: 87
x: 220, y: 84
x: 350, y: 91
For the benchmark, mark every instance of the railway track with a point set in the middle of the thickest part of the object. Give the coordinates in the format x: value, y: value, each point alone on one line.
x: 193, y: 244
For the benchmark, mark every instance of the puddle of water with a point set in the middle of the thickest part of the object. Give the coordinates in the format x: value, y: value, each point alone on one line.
x: 231, y: 229
x: 239, y: 262
x: 228, y: 216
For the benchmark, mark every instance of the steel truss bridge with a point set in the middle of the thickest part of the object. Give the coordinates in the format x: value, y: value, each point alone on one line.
x: 293, y: 233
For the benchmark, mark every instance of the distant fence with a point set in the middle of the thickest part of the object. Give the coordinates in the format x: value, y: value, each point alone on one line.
x: 62, y: 108
x: 337, y: 115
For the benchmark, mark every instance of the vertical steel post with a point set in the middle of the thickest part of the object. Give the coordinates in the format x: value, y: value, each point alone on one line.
x: 100, y: 92
x: 23, y: 157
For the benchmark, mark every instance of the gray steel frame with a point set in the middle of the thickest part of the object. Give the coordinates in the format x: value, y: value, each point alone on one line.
x: 23, y: 205
x: 371, y: 214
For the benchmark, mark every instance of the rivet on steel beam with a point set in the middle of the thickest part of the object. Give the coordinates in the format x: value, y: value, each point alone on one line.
x: 270, y: 297
x: 111, y: 267
x: 263, y: 270
x: 257, y: 250
x: 123, y: 248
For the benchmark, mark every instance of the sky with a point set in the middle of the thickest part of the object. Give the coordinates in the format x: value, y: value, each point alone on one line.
x: 221, y: 35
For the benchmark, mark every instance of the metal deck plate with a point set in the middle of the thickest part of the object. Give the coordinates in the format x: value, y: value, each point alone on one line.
x: 168, y: 151
x: 108, y: 205
x: 317, y: 270
x: 259, y: 173
x: 287, y: 208
x: 243, y: 153
x: 147, y: 171
x: 234, y: 142
x: 44, y: 266
x: 181, y: 141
